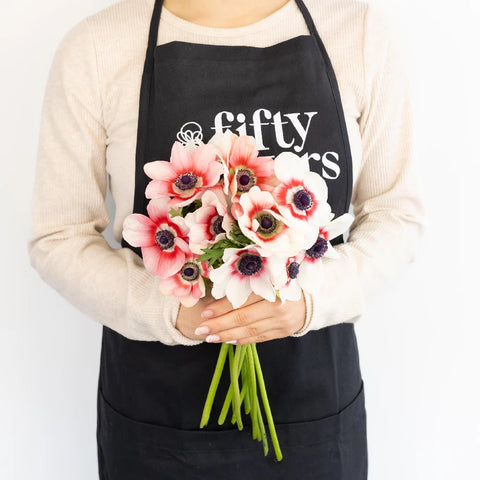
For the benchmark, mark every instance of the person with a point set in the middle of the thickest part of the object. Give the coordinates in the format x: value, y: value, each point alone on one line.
x: 322, y: 78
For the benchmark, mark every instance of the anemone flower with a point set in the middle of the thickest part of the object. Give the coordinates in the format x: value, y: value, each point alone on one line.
x: 188, y: 284
x: 209, y: 223
x: 246, y: 169
x: 243, y: 167
x: 244, y: 271
x: 311, y: 266
x: 286, y: 272
x: 262, y: 223
x: 186, y: 176
x: 163, y: 240
x: 223, y: 141
x: 301, y: 194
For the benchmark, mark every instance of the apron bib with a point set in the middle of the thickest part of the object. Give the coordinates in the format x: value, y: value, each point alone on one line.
x: 151, y: 395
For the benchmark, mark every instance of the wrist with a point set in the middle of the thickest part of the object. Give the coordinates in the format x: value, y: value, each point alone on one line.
x: 308, y: 303
x: 179, y: 336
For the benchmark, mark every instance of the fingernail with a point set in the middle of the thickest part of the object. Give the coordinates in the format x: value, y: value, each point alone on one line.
x: 212, y: 338
x: 207, y: 314
x: 232, y: 341
x: 202, y: 330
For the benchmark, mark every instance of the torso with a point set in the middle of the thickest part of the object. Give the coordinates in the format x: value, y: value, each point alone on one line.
x: 123, y: 53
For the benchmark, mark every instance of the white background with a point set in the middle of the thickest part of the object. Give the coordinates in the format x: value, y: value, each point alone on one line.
x: 418, y: 345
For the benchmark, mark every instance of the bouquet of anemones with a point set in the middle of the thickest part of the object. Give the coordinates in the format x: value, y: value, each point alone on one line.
x: 223, y: 218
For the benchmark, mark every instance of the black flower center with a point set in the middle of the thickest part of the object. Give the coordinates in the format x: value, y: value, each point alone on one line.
x: 318, y: 249
x: 186, y: 181
x: 190, y: 271
x: 217, y: 225
x: 268, y: 225
x: 249, y: 264
x: 303, y: 200
x: 245, y: 179
x: 164, y: 239
x: 293, y: 270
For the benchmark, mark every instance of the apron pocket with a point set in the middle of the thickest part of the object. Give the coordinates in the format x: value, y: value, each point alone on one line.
x: 333, y: 448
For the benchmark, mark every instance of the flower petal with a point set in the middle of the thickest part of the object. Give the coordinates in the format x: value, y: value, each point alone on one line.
x: 157, y: 209
x: 219, y: 276
x: 204, y: 158
x: 238, y: 291
x: 212, y: 174
x: 339, y: 225
x: 160, y: 170
x: 181, y: 159
x: 224, y: 142
x: 331, y: 252
x: 158, y: 188
x: 164, y: 264
x: 139, y: 230
x: 262, y: 286
x: 310, y: 275
x: 243, y: 148
x: 152, y: 258
x: 288, y: 165
x: 291, y: 292
x: 317, y: 185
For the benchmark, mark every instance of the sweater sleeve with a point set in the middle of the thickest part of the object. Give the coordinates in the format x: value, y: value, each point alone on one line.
x: 66, y: 245
x: 387, y: 203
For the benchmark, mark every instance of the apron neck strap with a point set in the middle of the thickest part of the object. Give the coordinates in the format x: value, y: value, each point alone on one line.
x: 153, y: 33
x: 155, y: 22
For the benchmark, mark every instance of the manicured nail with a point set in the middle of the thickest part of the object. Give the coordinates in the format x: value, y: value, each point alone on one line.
x: 202, y: 330
x: 232, y: 342
x: 207, y: 314
x: 212, y: 338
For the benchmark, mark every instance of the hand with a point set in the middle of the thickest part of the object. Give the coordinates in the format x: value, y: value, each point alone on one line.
x: 189, y: 318
x: 256, y: 321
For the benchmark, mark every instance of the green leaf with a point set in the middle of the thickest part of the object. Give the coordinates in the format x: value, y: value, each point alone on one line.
x: 174, y: 212
x: 213, y: 254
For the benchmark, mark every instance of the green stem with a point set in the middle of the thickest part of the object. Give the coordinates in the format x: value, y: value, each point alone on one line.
x: 243, y: 391
x: 266, y: 405
x: 253, y: 392
x: 230, y: 358
x: 236, y: 390
x: 261, y: 426
x: 228, y: 396
x: 246, y: 381
x: 226, y: 405
x: 214, y: 384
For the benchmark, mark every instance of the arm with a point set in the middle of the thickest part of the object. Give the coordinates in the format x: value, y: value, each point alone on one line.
x: 66, y: 245
x: 389, y: 212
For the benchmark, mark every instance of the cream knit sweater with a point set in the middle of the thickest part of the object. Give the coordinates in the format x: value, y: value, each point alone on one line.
x: 88, y: 131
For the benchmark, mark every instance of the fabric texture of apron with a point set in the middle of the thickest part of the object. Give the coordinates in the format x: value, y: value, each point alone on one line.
x: 151, y: 395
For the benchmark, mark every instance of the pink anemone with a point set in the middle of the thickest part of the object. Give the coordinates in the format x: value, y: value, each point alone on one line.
x: 186, y: 176
x: 243, y: 167
x: 246, y: 169
x: 209, y: 223
x: 188, y: 284
x: 262, y: 223
x: 302, y: 193
x: 163, y: 240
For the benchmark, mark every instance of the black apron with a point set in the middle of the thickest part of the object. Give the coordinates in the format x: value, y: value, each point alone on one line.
x: 151, y: 395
